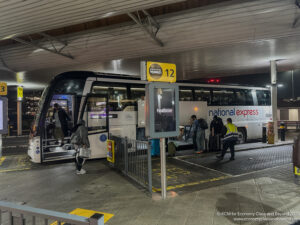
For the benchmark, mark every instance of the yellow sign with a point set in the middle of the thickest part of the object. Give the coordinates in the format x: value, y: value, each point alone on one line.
x: 161, y: 72
x: 88, y: 214
x: 111, y: 151
x: 3, y: 88
x: 20, y: 93
x: 297, y: 171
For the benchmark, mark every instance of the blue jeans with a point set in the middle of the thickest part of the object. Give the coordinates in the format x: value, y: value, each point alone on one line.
x: 200, y: 140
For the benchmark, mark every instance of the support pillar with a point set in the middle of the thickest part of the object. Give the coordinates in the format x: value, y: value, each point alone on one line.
x: 163, y: 168
x: 274, y: 97
x: 19, y: 118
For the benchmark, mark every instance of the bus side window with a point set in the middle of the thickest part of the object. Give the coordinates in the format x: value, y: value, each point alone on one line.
x: 263, y: 97
x: 185, y: 94
x: 203, y: 94
x: 223, y: 97
x: 244, y: 97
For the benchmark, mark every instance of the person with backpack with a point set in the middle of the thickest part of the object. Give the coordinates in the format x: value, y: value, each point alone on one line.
x: 81, y: 143
x: 229, y: 139
x: 198, y: 129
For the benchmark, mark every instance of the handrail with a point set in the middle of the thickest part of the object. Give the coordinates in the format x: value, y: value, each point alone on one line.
x: 97, y: 219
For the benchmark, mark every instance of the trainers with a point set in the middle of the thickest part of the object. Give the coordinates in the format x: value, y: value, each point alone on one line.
x: 80, y: 172
x: 220, y: 157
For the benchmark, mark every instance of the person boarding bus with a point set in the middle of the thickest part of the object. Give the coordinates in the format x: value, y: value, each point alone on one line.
x: 229, y: 139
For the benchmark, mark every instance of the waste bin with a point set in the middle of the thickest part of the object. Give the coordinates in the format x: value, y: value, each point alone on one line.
x: 155, y: 148
x: 282, y: 131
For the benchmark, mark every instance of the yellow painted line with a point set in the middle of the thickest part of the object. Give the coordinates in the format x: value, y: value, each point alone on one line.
x: 87, y: 213
x: 12, y: 170
x: 2, y: 160
x: 191, y: 184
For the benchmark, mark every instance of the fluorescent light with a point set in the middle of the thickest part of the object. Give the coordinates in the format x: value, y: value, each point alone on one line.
x: 280, y: 85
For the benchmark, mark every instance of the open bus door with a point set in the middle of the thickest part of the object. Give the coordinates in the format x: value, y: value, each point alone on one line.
x: 53, y: 149
x: 96, y: 116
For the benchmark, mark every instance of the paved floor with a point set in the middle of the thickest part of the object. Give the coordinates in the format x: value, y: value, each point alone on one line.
x: 243, y: 197
x: 198, y: 194
x: 246, y: 161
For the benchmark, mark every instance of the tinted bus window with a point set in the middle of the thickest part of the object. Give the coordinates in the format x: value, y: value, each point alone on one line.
x: 137, y: 92
x: 263, y: 97
x: 223, y: 97
x: 244, y: 97
x: 185, y: 94
x: 203, y: 94
x: 67, y: 86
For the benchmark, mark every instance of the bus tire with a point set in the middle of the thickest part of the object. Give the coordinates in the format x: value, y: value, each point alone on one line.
x: 243, y: 134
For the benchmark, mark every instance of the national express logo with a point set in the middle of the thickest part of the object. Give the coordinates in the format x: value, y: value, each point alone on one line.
x: 155, y: 71
x: 233, y: 112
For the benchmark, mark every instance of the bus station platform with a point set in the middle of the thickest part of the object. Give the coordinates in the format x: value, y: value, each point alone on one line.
x: 258, y: 186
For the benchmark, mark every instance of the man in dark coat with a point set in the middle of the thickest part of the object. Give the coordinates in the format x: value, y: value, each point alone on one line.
x: 61, y: 119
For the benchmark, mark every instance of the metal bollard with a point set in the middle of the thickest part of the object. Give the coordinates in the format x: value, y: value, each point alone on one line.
x: 264, y: 134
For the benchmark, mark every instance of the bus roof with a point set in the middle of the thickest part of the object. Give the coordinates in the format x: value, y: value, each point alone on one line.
x: 87, y: 74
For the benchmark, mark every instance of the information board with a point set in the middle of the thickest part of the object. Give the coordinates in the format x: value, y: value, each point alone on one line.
x: 3, y: 115
x: 111, y: 151
x: 20, y: 93
x: 162, y: 110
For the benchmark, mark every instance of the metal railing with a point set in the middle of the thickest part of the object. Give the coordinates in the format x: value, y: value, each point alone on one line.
x: 14, y: 214
x: 133, y: 158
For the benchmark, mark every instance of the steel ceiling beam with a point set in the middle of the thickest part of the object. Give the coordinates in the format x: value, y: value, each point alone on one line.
x: 49, y: 37
x: 147, y: 25
x: 37, y: 46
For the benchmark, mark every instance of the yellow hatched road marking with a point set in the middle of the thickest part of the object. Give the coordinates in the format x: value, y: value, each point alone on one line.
x: 12, y: 170
x: 2, y: 160
x: 87, y: 213
x: 191, y: 184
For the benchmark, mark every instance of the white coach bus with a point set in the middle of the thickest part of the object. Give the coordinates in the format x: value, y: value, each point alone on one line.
x: 108, y: 103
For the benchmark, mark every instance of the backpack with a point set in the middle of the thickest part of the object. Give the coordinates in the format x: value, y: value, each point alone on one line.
x: 75, y: 137
x: 202, y: 124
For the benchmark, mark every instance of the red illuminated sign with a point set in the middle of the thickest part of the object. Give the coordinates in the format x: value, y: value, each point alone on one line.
x: 213, y: 81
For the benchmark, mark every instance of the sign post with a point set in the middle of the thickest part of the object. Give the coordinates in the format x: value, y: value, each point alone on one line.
x: 3, y: 119
x: 162, y: 108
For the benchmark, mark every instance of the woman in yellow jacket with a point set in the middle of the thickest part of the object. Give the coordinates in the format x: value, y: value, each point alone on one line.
x: 229, y: 139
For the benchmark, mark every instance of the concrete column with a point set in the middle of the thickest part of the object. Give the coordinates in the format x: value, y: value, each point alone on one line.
x: 19, y: 118
x: 274, y: 97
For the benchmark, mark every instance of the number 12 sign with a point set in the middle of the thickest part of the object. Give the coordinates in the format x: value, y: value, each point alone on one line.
x: 161, y: 72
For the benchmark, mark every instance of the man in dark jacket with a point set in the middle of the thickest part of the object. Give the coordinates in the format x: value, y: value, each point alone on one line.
x: 61, y: 119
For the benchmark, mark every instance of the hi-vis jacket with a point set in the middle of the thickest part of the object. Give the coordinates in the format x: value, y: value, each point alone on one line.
x: 232, y: 132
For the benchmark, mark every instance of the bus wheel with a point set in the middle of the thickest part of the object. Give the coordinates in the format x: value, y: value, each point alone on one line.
x: 242, y: 135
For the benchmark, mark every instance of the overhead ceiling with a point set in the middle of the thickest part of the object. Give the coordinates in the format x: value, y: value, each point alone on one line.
x: 226, y: 38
